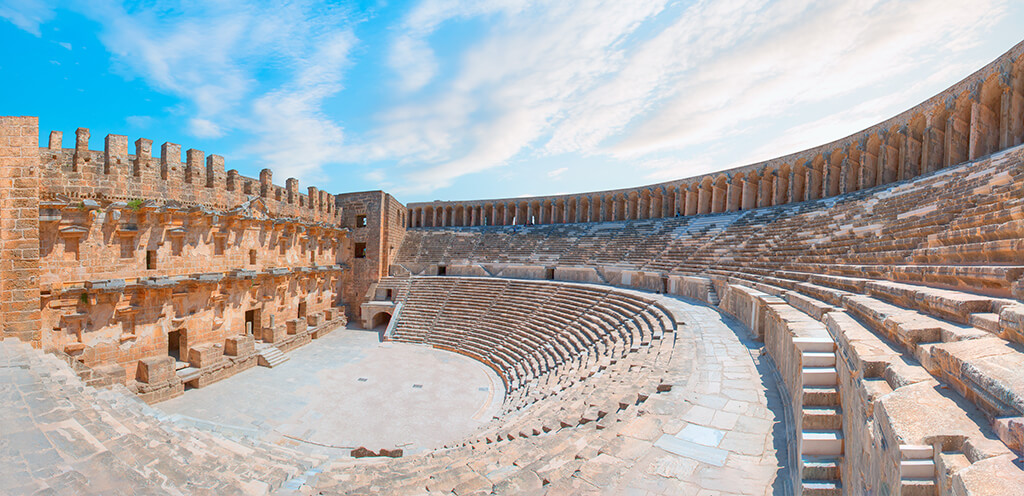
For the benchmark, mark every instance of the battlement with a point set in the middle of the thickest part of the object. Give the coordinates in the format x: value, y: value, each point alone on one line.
x: 115, y: 174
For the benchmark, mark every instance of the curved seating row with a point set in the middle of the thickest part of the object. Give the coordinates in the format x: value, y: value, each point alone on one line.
x: 961, y: 227
x: 539, y: 337
x: 894, y: 315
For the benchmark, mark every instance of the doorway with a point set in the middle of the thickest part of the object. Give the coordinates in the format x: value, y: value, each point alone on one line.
x: 175, y: 344
x: 302, y: 310
x: 252, y: 326
x: 381, y: 319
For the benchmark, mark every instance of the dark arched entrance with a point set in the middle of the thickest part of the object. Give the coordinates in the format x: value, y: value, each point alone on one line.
x: 381, y: 319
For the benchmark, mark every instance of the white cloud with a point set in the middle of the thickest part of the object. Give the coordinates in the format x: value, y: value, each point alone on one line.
x: 557, y: 173
x: 66, y: 45
x: 219, y: 58
x: 204, y: 128
x: 649, y: 85
x: 27, y: 14
x: 139, y: 121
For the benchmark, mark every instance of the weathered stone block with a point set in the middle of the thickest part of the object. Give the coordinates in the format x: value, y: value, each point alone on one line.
x: 241, y: 345
x: 156, y: 369
x: 274, y: 334
x: 296, y: 325
x: 205, y: 355
x: 112, y: 374
x: 315, y: 319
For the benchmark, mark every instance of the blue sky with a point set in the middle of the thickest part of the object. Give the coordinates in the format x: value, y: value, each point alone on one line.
x: 449, y: 99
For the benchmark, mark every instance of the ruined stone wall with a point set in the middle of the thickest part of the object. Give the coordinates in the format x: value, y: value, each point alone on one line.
x: 118, y: 261
x: 376, y: 223
x: 978, y: 116
x: 119, y: 241
x: 19, y: 228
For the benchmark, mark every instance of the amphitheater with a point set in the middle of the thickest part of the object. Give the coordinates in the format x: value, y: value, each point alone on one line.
x: 847, y: 319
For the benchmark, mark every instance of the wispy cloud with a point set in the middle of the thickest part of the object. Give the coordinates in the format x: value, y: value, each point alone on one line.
x: 557, y: 173
x: 28, y: 15
x: 260, y: 70
x: 650, y: 85
x: 659, y: 89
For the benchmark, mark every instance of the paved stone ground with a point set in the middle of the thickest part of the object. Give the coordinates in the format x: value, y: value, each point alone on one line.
x: 347, y: 390
x: 728, y: 432
x: 721, y: 430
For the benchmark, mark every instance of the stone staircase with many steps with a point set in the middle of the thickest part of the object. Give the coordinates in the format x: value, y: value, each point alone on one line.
x: 821, y: 437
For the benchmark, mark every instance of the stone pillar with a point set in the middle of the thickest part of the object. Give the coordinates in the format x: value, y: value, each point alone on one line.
x: 19, y: 228
x: 313, y: 193
x: 704, y: 199
x: 813, y: 182
x: 170, y: 156
x: 81, y: 149
x: 749, y: 194
x: 717, y: 198
x: 194, y: 162
x: 266, y: 182
x: 733, y: 194
x: 291, y: 189
x: 214, y: 170
x: 115, y: 154
x: 472, y: 216
x: 143, y: 155
x: 796, y: 184
x: 691, y: 202
x: 56, y: 140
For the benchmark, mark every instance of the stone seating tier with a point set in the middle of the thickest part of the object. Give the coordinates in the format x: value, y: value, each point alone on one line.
x: 885, y: 299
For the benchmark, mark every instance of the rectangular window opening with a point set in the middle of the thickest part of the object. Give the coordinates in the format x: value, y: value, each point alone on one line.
x: 150, y: 259
x: 252, y: 257
x: 359, y: 250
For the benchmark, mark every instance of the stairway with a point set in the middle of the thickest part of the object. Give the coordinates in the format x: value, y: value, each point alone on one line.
x: 917, y: 470
x: 271, y: 357
x: 821, y: 437
x: 713, y: 298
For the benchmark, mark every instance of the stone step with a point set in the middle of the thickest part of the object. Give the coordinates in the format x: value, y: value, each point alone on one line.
x: 819, y: 468
x: 271, y: 357
x: 821, y: 488
x: 821, y: 443
x: 188, y: 373
x: 822, y: 418
x: 986, y: 321
x: 917, y: 469
x: 820, y: 376
x: 820, y: 396
x: 916, y: 451
x: 819, y: 344
x: 917, y: 487
x: 819, y: 359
